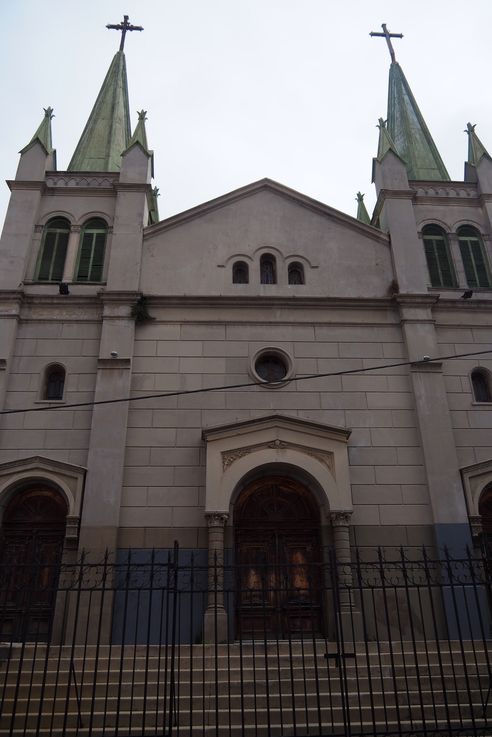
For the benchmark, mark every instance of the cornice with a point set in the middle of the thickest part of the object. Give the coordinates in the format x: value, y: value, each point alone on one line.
x: 14, y: 184
x: 295, y: 302
x: 132, y: 187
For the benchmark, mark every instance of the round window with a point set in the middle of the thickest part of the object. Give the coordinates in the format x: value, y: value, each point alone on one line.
x: 272, y: 366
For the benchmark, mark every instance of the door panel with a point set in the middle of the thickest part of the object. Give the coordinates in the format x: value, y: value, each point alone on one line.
x: 278, y: 555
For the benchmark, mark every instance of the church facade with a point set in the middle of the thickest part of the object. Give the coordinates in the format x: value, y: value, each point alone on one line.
x: 261, y: 376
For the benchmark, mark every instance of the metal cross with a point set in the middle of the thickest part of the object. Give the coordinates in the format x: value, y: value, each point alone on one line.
x: 388, y: 36
x: 124, y: 26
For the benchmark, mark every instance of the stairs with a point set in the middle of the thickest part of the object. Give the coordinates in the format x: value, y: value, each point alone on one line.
x: 247, y: 689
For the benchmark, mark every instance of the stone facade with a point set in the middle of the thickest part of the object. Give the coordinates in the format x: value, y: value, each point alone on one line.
x: 400, y: 454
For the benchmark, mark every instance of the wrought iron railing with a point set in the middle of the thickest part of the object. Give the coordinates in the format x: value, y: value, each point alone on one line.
x: 154, y: 642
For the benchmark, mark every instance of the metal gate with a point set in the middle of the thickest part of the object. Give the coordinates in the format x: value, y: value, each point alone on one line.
x: 148, y: 644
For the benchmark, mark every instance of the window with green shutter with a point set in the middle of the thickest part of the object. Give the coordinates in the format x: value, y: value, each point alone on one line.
x: 474, y: 260
x: 439, y: 262
x: 53, y: 250
x: 92, y: 249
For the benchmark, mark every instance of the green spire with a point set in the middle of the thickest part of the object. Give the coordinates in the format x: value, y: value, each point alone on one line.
x: 43, y: 133
x: 409, y: 132
x: 140, y: 134
x: 476, y: 149
x: 107, y: 131
x: 362, y: 213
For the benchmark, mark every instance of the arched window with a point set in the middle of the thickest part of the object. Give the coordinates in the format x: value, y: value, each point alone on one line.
x: 92, y: 249
x: 268, y: 269
x: 296, y: 273
x: 54, y: 382
x: 481, y: 385
x: 240, y: 272
x: 439, y: 262
x: 474, y: 260
x: 53, y: 250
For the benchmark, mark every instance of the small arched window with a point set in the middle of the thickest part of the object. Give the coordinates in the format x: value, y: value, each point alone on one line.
x: 92, y: 249
x: 240, y: 272
x: 268, y: 269
x: 296, y: 273
x: 54, y: 382
x: 53, y: 250
x: 474, y: 260
x: 439, y: 262
x: 481, y: 385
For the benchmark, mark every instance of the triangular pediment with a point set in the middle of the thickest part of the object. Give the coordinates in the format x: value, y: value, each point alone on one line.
x: 267, y: 186
x: 238, y: 430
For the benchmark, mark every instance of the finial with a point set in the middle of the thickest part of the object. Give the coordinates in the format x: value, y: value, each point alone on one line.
x: 388, y: 36
x: 470, y: 128
x: 381, y: 123
x: 124, y: 26
x: 155, y: 192
x: 48, y: 113
x: 359, y: 197
x: 142, y: 115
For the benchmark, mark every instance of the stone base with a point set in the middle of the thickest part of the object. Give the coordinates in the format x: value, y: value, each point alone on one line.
x: 351, y: 627
x: 215, y: 624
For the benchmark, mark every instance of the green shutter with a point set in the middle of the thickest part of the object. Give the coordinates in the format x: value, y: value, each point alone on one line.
x: 91, y: 258
x: 480, y: 267
x: 447, y: 276
x: 49, y: 244
x: 432, y: 262
x: 467, y: 257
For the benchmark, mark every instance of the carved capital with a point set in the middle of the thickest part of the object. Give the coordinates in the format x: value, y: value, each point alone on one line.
x: 476, y: 525
x: 75, y: 229
x: 340, y: 519
x: 216, y: 519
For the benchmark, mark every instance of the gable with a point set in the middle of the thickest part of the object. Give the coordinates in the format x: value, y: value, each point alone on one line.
x: 193, y: 253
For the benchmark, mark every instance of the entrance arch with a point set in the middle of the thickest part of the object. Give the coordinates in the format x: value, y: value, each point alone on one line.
x: 278, y: 556
x: 33, y: 532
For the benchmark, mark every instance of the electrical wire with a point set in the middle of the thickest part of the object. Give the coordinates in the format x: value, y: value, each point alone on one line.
x: 245, y: 385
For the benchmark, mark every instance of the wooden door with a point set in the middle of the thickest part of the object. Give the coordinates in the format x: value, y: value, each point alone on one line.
x: 278, y: 560
x: 31, y: 547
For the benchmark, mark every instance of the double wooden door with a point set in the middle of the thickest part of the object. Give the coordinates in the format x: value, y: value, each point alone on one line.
x: 278, y: 559
x: 31, y: 547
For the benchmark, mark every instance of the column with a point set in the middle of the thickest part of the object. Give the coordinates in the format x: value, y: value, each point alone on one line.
x: 341, y: 538
x: 215, y: 620
x: 71, y: 257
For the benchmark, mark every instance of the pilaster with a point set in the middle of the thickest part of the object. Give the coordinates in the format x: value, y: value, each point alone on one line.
x: 436, y: 432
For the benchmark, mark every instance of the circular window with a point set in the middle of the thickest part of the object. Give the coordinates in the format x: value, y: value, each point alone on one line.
x: 272, y: 366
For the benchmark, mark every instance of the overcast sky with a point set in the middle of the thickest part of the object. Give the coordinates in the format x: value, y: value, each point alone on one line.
x: 238, y: 90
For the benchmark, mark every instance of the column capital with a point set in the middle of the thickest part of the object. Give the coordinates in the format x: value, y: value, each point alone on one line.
x: 75, y: 228
x: 341, y: 519
x: 476, y: 525
x: 216, y: 519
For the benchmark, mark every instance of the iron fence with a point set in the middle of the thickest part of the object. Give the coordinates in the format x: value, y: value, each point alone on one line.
x: 156, y: 642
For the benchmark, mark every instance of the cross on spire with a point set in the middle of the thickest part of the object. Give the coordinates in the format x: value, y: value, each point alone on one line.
x: 124, y: 26
x: 388, y: 36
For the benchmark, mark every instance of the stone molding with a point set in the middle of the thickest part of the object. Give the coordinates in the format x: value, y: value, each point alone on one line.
x: 65, y: 477
x: 281, y: 444
x: 75, y: 180
x: 114, y: 363
x: 475, y: 478
x: 230, y: 456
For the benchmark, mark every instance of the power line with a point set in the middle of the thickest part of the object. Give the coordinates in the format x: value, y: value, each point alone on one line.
x: 245, y: 385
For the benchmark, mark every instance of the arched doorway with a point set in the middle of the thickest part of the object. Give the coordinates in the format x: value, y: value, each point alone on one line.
x: 278, y: 556
x: 33, y: 531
